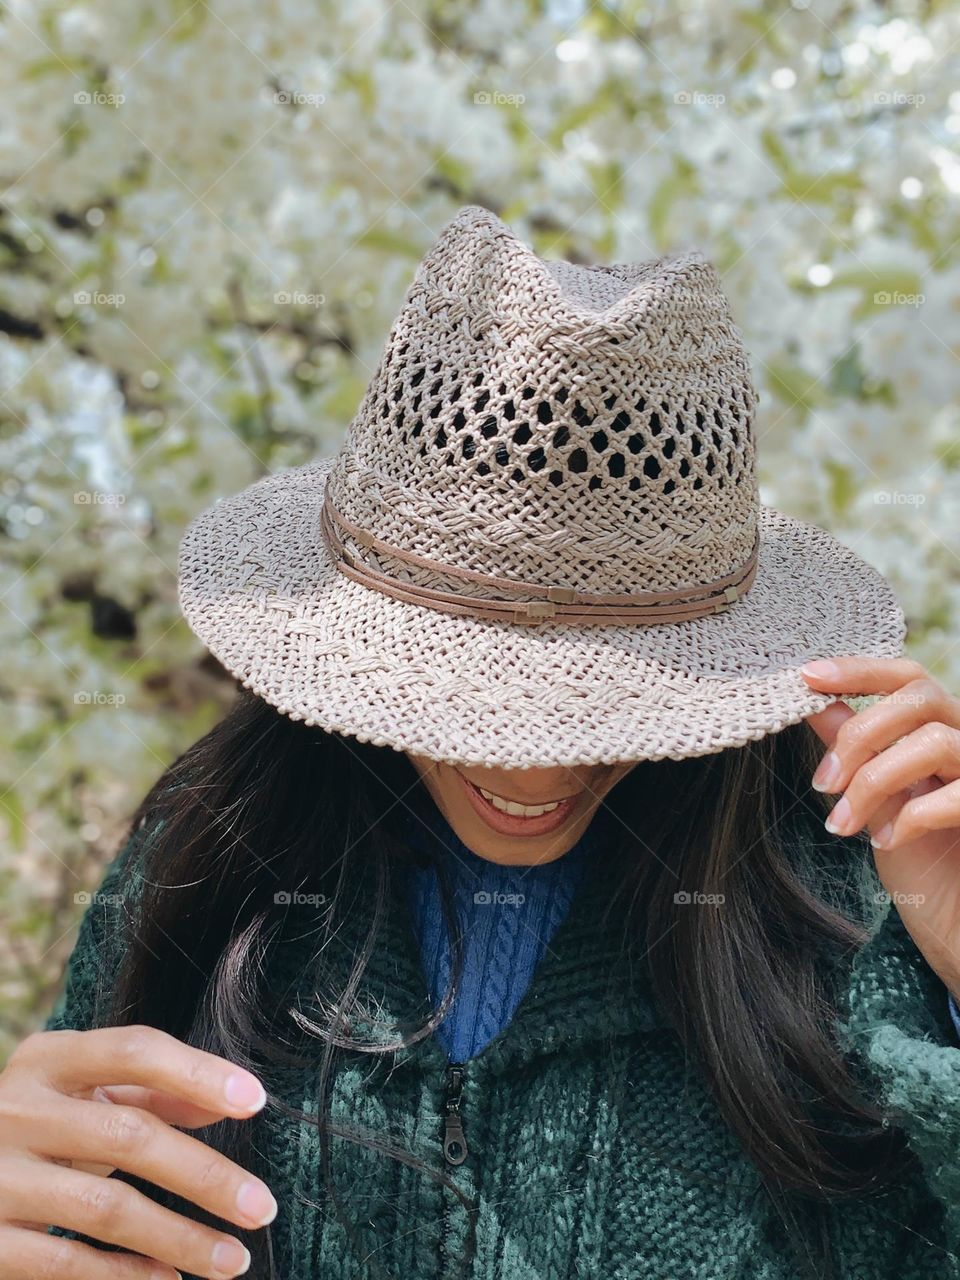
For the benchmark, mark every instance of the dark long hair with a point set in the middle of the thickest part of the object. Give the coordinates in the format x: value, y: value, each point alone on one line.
x: 263, y: 802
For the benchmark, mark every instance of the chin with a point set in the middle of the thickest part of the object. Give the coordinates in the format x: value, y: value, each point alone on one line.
x: 511, y: 851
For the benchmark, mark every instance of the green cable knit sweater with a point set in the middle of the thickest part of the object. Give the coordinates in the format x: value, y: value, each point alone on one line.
x: 592, y: 1148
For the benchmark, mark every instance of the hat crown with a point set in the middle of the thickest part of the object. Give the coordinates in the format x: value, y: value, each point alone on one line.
x: 556, y: 423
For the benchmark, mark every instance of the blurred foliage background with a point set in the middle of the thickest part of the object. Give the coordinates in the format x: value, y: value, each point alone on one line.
x: 209, y: 212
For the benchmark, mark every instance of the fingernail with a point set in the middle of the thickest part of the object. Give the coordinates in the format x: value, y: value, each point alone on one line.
x: 164, y: 1273
x: 230, y: 1258
x: 828, y: 772
x: 256, y: 1203
x: 245, y: 1091
x: 838, y: 817
x: 882, y: 838
x: 821, y: 668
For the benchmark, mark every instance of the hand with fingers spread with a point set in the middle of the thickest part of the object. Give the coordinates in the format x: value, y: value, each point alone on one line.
x: 897, y: 765
x: 77, y: 1105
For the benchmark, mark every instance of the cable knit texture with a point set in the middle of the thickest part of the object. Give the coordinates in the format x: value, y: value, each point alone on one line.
x: 594, y: 1147
x: 508, y: 917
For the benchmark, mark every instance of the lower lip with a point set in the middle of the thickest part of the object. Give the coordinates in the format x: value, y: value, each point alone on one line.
x: 513, y: 824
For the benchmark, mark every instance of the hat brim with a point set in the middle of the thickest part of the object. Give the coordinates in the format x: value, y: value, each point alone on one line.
x: 258, y: 587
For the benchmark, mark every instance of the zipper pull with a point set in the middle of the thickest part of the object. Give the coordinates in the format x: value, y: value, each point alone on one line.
x: 454, y: 1141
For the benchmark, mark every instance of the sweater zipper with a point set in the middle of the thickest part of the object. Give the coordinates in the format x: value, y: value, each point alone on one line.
x: 454, y: 1148
x: 454, y: 1141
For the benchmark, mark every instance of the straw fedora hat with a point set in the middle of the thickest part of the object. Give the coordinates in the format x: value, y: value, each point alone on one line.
x: 541, y: 541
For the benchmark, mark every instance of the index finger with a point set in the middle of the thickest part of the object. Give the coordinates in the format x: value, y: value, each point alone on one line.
x: 862, y: 675
x: 146, y: 1056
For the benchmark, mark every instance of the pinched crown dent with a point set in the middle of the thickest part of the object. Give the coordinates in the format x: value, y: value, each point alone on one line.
x: 542, y: 419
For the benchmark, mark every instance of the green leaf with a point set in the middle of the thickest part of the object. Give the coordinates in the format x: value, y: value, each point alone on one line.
x: 937, y: 616
x: 381, y: 238
x: 676, y: 186
x: 606, y: 243
x: 600, y: 22
x: 846, y: 377
x: 514, y: 212
x: 160, y: 272
x: 820, y: 188
x: 843, y: 487
x: 455, y: 171
x: 341, y: 402
x: 808, y: 188
x: 925, y: 231
x: 75, y: 132
x: 518, y: 128
x: 885, y: 279
x: 245, y: 410
x: 11, y: 810
x: 794, y: 386
x: 362, y: 84
x: 774, y: 148
x: 606, y: 178
x: 52, y: 66
x: 949, y: 455
x: 765, y: 25
x: 579, y: 114
x: 193, y: 15
x: 727, y: 250
x: 179, y: 449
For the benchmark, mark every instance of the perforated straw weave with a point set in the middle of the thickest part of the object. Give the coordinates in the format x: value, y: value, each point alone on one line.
x: 541, y: 542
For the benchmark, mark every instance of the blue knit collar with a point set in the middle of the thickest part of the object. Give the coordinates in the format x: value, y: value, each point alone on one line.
x: 502, y: 949
x: 589, y: 985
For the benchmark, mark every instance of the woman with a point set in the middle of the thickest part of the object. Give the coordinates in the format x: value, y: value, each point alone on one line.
x: 501, y: 929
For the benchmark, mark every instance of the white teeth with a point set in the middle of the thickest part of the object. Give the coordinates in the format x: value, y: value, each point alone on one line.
x: 521, y: 810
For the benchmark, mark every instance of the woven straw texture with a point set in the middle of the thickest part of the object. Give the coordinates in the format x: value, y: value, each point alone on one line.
x: 552, y: 424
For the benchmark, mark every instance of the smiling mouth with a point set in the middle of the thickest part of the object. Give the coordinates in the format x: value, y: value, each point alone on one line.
x: 512, y: 817
x: 518, y: 809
